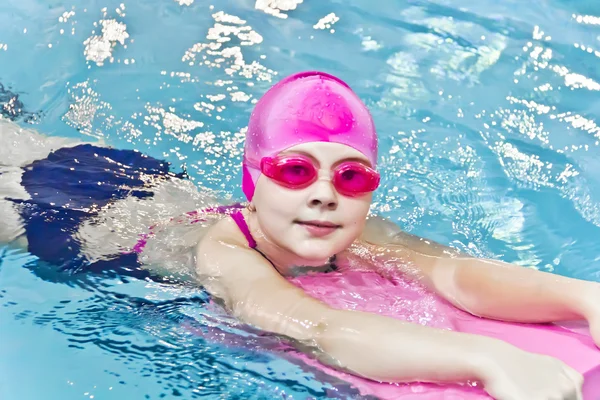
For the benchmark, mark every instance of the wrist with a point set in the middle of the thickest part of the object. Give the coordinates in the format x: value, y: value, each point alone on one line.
x: 484, y: 356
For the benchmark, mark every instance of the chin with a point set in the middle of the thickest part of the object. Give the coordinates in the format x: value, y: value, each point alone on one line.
x: 313, y: 255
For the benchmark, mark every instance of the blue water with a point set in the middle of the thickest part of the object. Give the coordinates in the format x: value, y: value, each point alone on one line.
x: 486, y: 113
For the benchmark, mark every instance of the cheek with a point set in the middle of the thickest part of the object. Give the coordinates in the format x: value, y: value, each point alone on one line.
x: 355, y: 212
x: 280, y: 200
x: 276, y: 208
x: 356, y: 209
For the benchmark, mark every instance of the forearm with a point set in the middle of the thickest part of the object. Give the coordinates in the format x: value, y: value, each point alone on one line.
x: 365, y: 344
x: 497, y: 290
x: 390, y: 350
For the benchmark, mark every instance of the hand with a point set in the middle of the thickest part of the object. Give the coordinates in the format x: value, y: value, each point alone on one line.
x: 513, y: 374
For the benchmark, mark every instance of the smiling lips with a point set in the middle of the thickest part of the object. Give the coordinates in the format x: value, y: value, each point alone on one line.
x: 319, y: 228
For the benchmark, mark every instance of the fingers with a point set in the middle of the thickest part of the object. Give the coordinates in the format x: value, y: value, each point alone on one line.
x: 576, y: 380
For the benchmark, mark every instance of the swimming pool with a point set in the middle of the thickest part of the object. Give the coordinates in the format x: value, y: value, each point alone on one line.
x: 488, y: 142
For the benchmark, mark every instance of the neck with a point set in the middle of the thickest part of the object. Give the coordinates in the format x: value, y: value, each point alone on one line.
x: 284, y: 260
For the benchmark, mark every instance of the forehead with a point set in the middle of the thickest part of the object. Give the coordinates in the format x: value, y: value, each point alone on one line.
x: 328, y: 153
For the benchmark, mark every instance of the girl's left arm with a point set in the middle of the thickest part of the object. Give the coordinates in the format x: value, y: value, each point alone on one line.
x: 494, y: 289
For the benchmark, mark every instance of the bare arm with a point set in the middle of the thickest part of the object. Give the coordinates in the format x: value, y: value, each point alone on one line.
x: 368, y: 345
x: 487, y: 288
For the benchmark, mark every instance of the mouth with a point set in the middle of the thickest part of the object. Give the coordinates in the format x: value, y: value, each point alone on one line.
x: 319, y: 224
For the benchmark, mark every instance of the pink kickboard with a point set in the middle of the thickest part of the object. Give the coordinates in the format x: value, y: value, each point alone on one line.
x: 575, y: 348
x: 569, y: 342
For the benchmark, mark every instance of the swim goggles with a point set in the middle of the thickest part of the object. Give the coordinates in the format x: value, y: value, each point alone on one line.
x: 350, y: 178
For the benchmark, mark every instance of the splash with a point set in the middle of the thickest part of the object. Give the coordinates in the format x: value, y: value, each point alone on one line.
x: 66, y: 16
x: 276, y: 7
x: 367, y: 42
x: 225, y: 41
x: 170, y: 123
x: 99, y: 48
x: 586, y: 19
x: 327, y: 21
x: 85, y: 108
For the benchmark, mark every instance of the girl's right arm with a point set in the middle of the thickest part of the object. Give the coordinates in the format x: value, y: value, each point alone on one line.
x: 365, y: 344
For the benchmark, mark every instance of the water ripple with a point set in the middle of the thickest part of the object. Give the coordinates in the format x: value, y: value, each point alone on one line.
x: 487, y: 114
x: 202, y: 355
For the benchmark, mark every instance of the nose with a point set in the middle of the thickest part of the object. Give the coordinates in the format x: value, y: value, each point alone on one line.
x: 323, y: 194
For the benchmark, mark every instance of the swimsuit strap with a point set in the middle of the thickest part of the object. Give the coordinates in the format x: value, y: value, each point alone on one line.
x: 238, y: 218
x: 241, y: 223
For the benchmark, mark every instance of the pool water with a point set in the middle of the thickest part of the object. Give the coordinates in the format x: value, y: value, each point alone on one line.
x: 486, y: 113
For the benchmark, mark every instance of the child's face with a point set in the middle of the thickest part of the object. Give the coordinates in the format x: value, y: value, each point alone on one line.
x: 293, y: 219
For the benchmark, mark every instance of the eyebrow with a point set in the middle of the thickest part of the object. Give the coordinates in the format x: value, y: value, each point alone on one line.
x: 304, y: 153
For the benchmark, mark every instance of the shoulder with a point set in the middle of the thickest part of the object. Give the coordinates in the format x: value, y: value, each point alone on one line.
x: 224, y: 231
x: 221, y: 238
x: 224, y: 249
x: 233, y: 272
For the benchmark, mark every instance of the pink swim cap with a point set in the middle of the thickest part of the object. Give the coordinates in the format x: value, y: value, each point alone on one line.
x: 306, y: 107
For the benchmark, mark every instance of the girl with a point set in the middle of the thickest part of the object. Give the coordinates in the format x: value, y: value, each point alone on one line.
x: 308, y: 174
x: 292, y: 260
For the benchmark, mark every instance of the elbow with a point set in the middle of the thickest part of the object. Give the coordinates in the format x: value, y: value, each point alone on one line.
x: 338, y: 328
x: 445, y: 281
